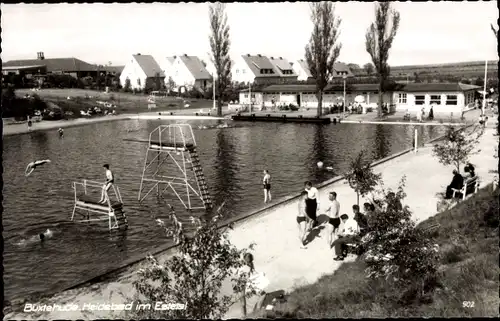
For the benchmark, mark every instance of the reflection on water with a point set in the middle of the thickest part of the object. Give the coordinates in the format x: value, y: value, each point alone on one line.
x: 233, y: 160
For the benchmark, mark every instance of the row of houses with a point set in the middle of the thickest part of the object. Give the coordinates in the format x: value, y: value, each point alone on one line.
x: 444, y: 97
x: 178, y: 71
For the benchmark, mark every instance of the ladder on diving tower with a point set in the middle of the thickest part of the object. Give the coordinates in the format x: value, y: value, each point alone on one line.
x: 172, y: 163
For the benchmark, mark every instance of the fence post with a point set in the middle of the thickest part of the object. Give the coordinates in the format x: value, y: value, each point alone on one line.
x: 416, y: 140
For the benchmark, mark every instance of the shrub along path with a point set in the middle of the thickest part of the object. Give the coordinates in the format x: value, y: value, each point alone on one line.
x: 277, y: 251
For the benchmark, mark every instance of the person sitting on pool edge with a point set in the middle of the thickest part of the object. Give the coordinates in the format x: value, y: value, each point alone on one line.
x: 107, y: 185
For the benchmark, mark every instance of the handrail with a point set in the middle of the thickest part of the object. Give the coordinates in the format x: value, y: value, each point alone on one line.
x: 173, y: 131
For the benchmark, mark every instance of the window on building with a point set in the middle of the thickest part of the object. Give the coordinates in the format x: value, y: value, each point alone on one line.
x: 419, y: 99
x: 435, y: 100
x: 246, y: 95
x: 138, y: 82
x: 402, y: 98
x: 243, y: 71
x: 451, y: 100
x: 237, y: 71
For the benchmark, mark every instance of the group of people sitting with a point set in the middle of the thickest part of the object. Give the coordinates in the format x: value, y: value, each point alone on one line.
x: 458, y: 180
x: 344, y: 228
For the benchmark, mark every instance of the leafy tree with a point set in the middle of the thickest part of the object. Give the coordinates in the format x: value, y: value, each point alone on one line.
x: 495, y: 32
x: 219, y: 44
x: 479, y: 82
x: 458, y: 145
x: 368, y: 67
x: 353, y: 67
x: 360, y: 176
x: 398, y: 251
x: 322, y: 51
x: 417, y: 77
x: 171, y: 84
x: 195, y: 275
x: 127, y: 86
x: 379, y: 38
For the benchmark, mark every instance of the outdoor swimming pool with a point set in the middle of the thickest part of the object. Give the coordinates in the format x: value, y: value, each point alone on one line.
x: 233, y: 161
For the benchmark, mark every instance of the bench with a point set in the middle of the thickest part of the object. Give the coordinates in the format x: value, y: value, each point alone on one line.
x: 470, y: 187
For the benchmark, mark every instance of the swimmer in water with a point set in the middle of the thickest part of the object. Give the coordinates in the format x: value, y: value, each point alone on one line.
x: 37, y: 238
x: 33, y: 165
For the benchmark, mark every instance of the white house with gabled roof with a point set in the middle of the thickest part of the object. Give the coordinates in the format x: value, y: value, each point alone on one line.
x: 254, y: 69
x: 142, y: 71
x: 187, y: 71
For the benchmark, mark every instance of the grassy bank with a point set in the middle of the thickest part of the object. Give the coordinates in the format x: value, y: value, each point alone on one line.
x: 468, y: 238
x: 125, y: 102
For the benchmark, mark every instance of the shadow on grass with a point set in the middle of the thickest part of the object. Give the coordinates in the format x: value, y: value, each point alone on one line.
x: 468, y: 271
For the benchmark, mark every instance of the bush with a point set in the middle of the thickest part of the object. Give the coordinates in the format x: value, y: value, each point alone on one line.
x: 195, y: 275
x: 360, y: 176
x: 457, y: 146
x: 397, y: 251
x: 292, y: 107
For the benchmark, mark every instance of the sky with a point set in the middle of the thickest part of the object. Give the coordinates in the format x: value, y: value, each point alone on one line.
x: 429, y: 32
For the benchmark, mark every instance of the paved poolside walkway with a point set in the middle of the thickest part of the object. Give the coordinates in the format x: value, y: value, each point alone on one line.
x: 277, y: 251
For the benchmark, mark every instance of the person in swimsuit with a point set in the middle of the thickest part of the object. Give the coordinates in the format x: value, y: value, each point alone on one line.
x: 110, y: 179
x: 333, y: 213
x: 267, y: 186
x: 33, y: 165
x: 302, y: 221
x: 312, y: 202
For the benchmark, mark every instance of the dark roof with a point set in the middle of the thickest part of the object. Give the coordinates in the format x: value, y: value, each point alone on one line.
x: 425, y: 87
x: 23, y: 67
x: 149, y: 65
x: 54, y: 64
x: 411, y: 87
x: 338, y: 69
x: 116, y: 69
x: 280, y: 65
x: 256, y: 63
x: 196, y: 67
x: 292, y: 88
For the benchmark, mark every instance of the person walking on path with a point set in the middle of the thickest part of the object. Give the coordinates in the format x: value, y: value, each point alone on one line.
x: 266, y: 181
x: 312, y: 202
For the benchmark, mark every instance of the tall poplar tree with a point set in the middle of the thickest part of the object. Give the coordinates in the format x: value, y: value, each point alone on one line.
x: 379, y: 38
x: 322, y: 50
x: 219, y: 44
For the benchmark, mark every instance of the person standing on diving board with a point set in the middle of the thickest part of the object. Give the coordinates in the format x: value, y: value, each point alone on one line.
x: 110, y: 179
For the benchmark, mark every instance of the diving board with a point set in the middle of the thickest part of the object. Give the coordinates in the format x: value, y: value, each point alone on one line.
x: 85, y: 204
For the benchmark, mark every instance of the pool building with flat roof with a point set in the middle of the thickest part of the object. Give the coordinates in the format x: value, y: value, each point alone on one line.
x: 444, y: 97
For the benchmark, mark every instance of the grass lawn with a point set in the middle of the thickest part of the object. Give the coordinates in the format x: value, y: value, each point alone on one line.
x: 469, y: 272
x: 125, y: 102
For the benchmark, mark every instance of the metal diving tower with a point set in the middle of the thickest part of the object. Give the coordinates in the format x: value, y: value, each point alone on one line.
x: 172, y: 164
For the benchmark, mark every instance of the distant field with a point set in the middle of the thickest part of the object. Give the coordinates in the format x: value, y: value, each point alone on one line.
x: 461, y: 69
